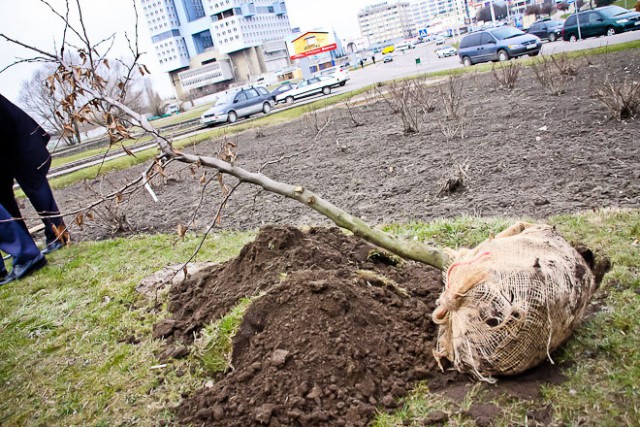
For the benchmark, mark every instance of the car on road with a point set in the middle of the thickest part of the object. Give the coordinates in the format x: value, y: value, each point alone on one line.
x: 308, y: 87
x: 282, y: 88
x: 235, y: 104
x: 497, y: 44
x: 601, y: 21
x: 387, y: 59
x: 340, y: 73
x: 439, y: 40
x: 547, y: 29
x: 445, y: 51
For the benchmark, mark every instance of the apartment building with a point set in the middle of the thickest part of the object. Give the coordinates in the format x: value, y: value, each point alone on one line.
x: 439, y: 15
x: 206, y: 45
x: 386, y: 22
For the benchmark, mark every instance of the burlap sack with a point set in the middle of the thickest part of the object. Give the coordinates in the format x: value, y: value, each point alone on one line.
x: 511, y: 301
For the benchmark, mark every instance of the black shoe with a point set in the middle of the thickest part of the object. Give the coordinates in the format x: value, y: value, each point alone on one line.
x: 53, y: 246
x: 21, y: 270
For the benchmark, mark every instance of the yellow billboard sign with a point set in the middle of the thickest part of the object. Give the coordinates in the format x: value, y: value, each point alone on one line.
x: 311, y: 43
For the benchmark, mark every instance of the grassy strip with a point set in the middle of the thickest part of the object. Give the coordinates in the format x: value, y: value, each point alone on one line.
x: 60, y: 161
x: 70, y: 353
x: 77, y: 347
x: 182, y: 117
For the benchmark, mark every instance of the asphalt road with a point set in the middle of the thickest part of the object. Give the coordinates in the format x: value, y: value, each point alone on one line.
x: 404, y: 64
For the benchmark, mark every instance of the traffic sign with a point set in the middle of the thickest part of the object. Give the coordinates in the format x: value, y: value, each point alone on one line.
x: 422, y: 32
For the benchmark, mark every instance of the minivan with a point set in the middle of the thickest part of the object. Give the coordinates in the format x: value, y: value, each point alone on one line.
x: 497, y: 44
x: 600, y: 21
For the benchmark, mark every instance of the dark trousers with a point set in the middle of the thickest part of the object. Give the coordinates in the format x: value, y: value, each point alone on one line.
x: 14, y: 240
x: 34, y: 184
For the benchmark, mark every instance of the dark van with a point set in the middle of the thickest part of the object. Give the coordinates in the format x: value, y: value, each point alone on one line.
x: 600, y: 21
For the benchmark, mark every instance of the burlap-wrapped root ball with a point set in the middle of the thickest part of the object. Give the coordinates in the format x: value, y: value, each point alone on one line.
x: 511, y: 301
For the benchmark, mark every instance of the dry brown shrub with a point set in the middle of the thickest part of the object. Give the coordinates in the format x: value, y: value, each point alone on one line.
x: 621, y: 99
x: 507, y: 75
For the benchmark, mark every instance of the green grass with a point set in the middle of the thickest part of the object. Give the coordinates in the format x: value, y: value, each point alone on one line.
x: 59, y: 161
x: 182, y: 117
x: 213, y: 347
x: 627, y: 4
x: 65, y: 358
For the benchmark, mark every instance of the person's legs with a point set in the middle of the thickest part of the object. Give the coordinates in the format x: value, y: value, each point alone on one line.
x: 7, y: 198
x: 17, y: 243
x: 36, y: 187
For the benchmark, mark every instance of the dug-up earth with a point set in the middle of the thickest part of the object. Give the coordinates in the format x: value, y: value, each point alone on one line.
x: 525, y: 153
x: 337, y: 334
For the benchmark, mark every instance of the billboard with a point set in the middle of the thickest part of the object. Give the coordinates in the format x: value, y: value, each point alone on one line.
x: 311, y: 43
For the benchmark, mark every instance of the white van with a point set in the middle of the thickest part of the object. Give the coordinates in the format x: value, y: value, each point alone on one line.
x: 405, y: 46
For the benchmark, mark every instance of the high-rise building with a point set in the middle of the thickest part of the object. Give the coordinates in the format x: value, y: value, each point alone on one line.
x: 238, y: 24
x: 386, y: 22
x: 206, y: 44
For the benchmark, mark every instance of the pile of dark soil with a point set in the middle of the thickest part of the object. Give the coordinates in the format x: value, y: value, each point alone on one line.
x: 338, y: 334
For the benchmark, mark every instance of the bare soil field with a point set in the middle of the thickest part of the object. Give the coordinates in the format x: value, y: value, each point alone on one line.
x: 529, y: 154
x: 327, y: 345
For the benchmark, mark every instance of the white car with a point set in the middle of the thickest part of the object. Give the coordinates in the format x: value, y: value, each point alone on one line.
x: 445, y: 51
x: 340, y: 72
x: 308, y: 87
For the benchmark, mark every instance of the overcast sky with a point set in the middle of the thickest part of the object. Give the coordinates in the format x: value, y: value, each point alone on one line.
x: 31, y: 22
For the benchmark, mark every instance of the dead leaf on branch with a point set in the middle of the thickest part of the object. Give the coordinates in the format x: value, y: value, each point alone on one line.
x: 182, y: 230
x: 79, y: 220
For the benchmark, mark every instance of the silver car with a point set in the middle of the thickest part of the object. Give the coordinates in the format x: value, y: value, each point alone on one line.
x: 240, y: 103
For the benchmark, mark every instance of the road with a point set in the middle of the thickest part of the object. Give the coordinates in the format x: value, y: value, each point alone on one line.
x: 404, y: 64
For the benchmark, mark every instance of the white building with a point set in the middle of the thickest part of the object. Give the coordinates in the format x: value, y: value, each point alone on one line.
x: 422, y: 11
x: 438, y: 15
x: 226, y: 38
x: 239, y: 24
x: 386, y: 22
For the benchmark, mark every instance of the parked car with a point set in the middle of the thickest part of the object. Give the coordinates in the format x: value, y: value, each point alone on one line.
x: 445, y: 51
x: 439, y: 40
x: 497, y: 44
x: 339, y: 72
x: 172, y: 109
x: 387, y: 59
x: 235, y: 104
x: 282, y: 88
x: 547, y: 29
x: 600, y: 21
x: 405, y: 46
x: 308, y: 87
